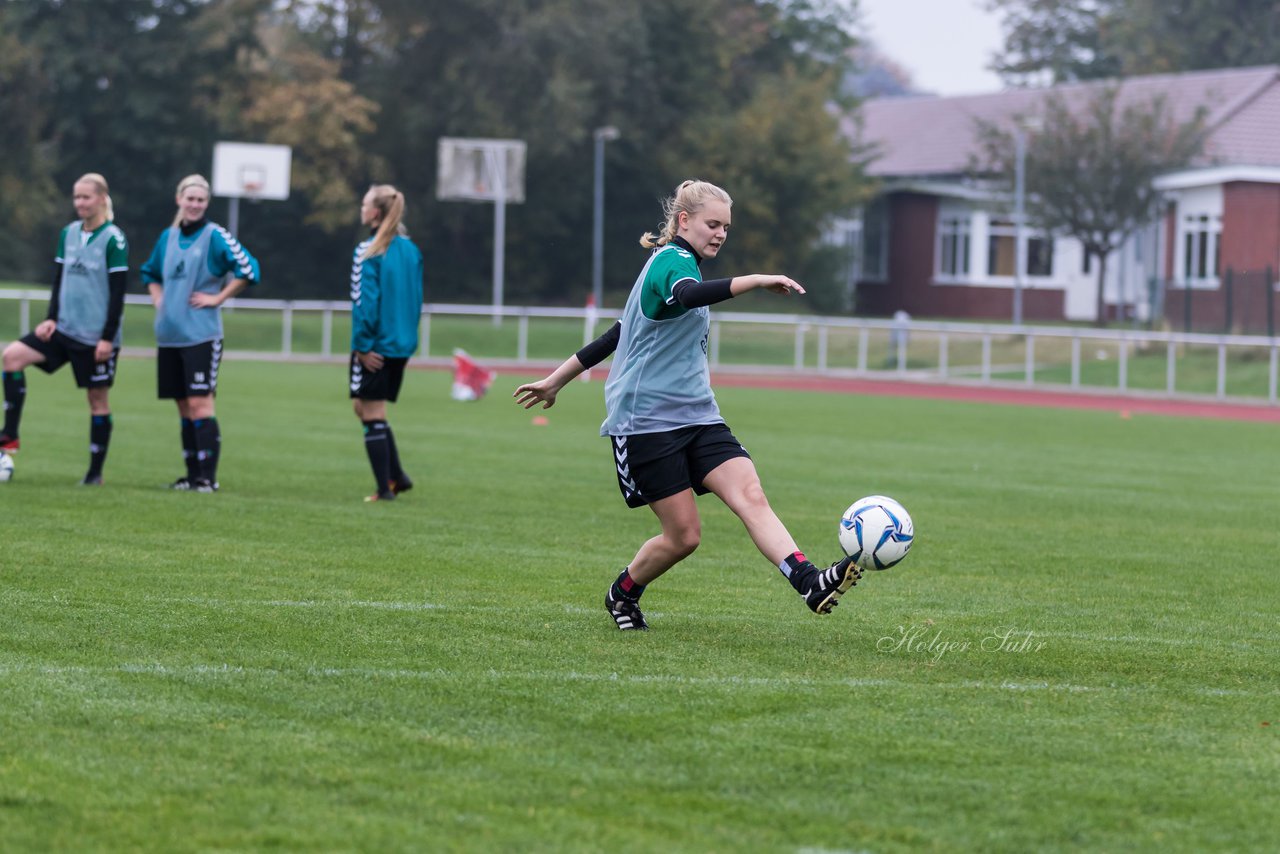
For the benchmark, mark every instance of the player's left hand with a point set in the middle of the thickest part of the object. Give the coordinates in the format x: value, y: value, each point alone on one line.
x: 783, y: 285
x: 199, y: 299
x: 102, y: 352
x: 371, y: 361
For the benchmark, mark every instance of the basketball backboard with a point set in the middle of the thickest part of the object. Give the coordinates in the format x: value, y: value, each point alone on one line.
x: 480, y: 170
x: 243, y: 170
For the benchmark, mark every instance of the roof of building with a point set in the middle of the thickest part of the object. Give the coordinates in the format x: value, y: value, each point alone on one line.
x: 936, y: 136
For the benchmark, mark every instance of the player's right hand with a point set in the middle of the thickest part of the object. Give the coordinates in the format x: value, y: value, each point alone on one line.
x: 543, y: 390
x: 44, y: 329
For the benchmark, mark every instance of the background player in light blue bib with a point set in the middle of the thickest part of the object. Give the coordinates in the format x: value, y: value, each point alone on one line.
x: 86, y: 305
x: 195, y: 267
x: 669, y: 441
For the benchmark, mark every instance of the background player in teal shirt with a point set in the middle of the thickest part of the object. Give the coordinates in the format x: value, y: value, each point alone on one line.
x: 83, y: 324
x: 195, y: 267
x: 669, y: 441
x: 386, y: 307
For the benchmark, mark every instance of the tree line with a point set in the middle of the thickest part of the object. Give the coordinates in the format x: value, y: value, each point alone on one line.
x: 745, y: 93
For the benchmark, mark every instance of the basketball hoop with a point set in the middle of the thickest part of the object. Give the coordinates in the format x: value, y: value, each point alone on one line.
x: 253, y: 177
x: 484, y: 170
x: 243, y: 170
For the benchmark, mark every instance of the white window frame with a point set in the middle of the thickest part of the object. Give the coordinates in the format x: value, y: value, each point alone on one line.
x: 877, y: 211
x: 1199, y: 237
x: 956, y: 226
x: 1006, y: 228
x: 1200, y: 250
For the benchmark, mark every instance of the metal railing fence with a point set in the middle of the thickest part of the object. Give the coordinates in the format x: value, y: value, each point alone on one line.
x: 1173, y: 364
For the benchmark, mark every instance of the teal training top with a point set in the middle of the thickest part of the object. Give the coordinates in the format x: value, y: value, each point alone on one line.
x: 386, y: 299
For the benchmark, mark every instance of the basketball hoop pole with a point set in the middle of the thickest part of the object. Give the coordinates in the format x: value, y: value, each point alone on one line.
x: 233, y: 216
x: 498, y: 167
x: 478, y: 170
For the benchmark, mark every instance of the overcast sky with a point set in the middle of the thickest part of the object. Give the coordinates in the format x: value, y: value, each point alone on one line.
x: 945, y: 44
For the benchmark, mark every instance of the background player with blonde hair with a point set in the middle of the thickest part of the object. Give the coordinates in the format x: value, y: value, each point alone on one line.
x: 195, y: 267
x: 386, y: 305
x: 82, y: 327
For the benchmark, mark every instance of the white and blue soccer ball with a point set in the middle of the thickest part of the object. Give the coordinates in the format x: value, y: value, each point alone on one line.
x: 876, y: 532
x: 6, y: 467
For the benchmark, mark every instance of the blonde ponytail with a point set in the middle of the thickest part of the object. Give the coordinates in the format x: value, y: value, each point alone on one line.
x: 389, y: 202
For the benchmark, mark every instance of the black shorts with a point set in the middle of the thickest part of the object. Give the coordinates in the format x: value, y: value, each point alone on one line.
x: 60, y: 349
x: 383, y: 384
x: 651, y: 466
x: 190, y: 371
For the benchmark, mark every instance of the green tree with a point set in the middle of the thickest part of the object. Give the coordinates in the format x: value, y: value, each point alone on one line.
x: 1055, y: 41
x: 1090, y: 170
x: 742, y: 92
x: 104, y: 100
x: 27, y: 164
x: 687, y: 84
x: 1158, y: 36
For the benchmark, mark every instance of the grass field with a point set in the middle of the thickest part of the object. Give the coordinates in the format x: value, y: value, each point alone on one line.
x: 1079, y: 653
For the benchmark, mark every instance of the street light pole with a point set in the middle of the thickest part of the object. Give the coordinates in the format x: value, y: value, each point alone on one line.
x: 1019, y: 232
x: 602, y: 135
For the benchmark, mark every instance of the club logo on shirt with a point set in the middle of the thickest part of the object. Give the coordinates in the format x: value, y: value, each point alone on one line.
x: 180, y: 271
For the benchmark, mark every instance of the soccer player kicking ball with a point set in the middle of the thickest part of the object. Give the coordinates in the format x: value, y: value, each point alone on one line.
x: 669, y: 441
x: 386, y: 306
x: 83, y: 324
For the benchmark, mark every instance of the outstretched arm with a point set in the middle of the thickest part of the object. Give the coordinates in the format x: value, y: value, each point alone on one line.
x: 546, y: 389
x: 693, y: 294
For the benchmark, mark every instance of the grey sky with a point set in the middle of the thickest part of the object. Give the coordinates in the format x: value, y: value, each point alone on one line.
x: 945, y: 44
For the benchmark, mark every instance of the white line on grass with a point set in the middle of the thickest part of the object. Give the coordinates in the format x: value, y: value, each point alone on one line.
x: 573, y: 676
x: 1247, y: 643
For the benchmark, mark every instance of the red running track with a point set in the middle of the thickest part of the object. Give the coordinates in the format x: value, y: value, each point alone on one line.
x: 1124, y: 405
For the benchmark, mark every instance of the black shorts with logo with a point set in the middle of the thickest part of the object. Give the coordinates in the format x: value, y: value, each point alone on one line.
x: 382, y: 384
x: 190, y: 371
x: 652, y: 466
x: 60, y: 349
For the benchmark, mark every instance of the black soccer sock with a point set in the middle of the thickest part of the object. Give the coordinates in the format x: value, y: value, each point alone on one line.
x: 377, y: 447
x: 393, y: 457
x: 208, y: 441
x: 99, y: 439
x: 797, y: 568
x: 626, y: 587
x: 15, y: 394
x: 189, y: 448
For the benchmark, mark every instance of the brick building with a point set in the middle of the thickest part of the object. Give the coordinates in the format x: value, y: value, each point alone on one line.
x: 939, y: 241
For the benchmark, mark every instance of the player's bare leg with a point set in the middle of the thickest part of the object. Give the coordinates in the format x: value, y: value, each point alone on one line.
x: 737, y: 484
x: 681, y: 534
